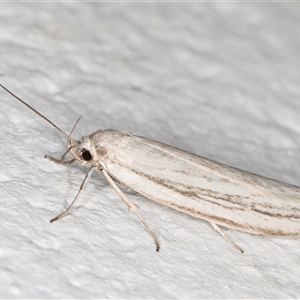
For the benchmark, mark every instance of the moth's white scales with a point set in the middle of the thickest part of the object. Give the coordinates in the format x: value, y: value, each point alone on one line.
x: 195, y: 185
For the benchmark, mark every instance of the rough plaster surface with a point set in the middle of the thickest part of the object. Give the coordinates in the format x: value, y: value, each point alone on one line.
x: 220, y: 80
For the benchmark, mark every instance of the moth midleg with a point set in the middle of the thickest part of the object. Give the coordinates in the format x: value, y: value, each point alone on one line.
x: 82, y: 187
x: 226, y: 237
x: 130, y: 205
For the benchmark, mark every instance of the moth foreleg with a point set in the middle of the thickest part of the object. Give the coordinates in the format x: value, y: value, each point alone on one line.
x: 82, y: 187
x: 60, y: 161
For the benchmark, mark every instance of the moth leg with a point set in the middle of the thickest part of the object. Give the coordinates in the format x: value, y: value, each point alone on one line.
x: 82, y: 187
x: 60, y: 161
x: 131, y: 206
x: 225, y: 236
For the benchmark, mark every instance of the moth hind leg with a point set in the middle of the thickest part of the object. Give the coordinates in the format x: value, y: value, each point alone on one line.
x: 225, y: 237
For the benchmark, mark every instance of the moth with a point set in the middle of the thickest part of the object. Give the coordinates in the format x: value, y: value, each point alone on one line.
x: 220, y: 194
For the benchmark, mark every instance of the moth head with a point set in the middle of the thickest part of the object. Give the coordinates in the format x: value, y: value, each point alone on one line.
x: 83, y: 151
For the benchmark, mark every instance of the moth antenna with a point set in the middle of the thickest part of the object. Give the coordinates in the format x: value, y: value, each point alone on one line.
x: 34, y: 110
x: 61, y: 161
x: 64, y: 155
x: 70, y: 135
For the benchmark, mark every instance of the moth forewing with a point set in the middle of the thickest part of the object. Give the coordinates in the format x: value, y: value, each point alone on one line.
x: 200, y: 187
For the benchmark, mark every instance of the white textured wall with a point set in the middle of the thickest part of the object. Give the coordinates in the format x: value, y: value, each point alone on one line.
x: 220, y: 80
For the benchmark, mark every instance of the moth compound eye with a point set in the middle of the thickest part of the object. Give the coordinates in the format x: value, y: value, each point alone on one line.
x: 86, y: 155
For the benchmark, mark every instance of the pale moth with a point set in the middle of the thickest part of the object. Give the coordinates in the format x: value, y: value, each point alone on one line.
x: 221, y: 195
